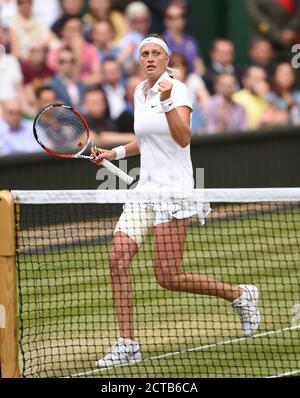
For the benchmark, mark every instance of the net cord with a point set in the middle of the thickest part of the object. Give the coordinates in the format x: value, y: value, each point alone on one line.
x: 219, y: 195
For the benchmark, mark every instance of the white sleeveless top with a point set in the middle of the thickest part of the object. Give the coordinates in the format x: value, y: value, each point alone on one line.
x: 165, y: 165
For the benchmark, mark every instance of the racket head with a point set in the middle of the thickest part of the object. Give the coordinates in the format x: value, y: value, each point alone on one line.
x: 61, y: 131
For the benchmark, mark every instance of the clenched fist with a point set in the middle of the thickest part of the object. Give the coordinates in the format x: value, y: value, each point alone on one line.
x: 165, y: 89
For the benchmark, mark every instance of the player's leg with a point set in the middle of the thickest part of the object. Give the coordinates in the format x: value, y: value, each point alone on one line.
x: 122, y: 251
x: 125, y: 350
x: 131, y: 230
x: 168, y: 253
x: 169, y: 241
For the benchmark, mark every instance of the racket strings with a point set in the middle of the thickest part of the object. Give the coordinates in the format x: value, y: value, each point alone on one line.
x: 62, y: 131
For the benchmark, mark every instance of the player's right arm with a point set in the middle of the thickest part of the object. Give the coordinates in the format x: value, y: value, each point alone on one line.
x: 132, y: 148
x: 99, y: 154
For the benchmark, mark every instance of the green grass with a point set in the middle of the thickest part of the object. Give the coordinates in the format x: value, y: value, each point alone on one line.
x: 67, y: 316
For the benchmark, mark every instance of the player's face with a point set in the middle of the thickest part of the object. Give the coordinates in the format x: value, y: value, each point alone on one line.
x: 153, y: 60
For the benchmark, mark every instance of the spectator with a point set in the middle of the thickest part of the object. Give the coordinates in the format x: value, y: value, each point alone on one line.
x: 42, y: 96
x: 284, y: 94
x: 158, y: 8
x: 193, y: 81
x: 114, y: 87
x: 96, y: 111
x: 139, y: 18
x: 34, y: 68
x: 196, y: 86
x: 35, y: 73
x: 25, y: 30
x: 87, y: 65
x: 46, y: 12
x: 198, y: 126
x: 67, y: 87
x: 221, y: 112
x: 16, y: 132
x: 70, y: 8
x: 274, y: 116
x: 252, y: 97
x: 278, y: 21
x: 126, y: 119
x: 222, y: 61
x: 45, y: 96
x: 101, y: 10
x: 103, y: 37
x: 8, y: 9
x: 261, y: 54
x: 179, y: 41
x: 295, y: 116
x: 10, y: 75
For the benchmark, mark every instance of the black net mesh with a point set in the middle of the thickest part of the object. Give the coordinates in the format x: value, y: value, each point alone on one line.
x: 182, y: 323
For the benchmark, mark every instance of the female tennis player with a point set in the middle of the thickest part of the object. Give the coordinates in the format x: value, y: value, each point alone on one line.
x: 162, y: 126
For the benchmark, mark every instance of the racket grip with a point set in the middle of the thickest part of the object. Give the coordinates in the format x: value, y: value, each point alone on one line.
x: 116, y: 171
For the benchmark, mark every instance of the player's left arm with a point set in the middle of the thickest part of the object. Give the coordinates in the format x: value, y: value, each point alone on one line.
x: 178, y: 118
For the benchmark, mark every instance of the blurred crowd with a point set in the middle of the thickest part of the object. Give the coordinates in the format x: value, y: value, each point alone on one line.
x: 85, y: 53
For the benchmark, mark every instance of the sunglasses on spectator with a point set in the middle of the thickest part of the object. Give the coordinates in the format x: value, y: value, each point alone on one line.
x: 174, y: 17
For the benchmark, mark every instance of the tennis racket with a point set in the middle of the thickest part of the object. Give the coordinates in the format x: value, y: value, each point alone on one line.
x: 62, y: 131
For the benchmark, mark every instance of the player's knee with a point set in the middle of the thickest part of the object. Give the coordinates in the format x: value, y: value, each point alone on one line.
x: 118, y: 261
x: 114, y: 258
x: 168, y: 281
x: 164, y: 283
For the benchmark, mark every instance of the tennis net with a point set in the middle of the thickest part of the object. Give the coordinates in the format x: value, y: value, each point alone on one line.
x: 66, y: 309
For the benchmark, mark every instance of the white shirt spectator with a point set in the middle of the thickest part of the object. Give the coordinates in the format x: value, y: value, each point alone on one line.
x: 194, y: 83
x: 8, y: 9
x: 19, y: 140
x: 115, y: 96
x: 25, y: 31
x: 72, y: 90
x: 10, y: 77
x: 47, y: 12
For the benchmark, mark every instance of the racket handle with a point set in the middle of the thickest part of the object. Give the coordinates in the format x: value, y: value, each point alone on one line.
x: 116, y: 171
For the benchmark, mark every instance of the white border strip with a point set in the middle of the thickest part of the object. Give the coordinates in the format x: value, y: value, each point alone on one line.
x: 194, y: 349
x: 136, y: 196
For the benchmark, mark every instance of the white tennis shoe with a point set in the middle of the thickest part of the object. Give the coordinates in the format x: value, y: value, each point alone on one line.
x: 246, y: 307
x: 124, y: 352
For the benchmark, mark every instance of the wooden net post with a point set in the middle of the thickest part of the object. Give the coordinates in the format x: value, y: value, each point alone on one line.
x: 8, y: 295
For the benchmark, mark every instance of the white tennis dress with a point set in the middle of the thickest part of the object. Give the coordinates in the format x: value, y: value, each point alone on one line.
x: 165, y: 165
